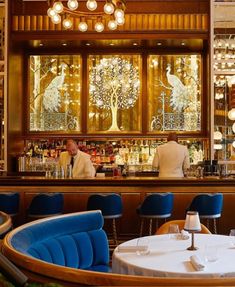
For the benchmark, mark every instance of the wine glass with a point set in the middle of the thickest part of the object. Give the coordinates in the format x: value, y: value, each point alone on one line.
x: 232, y: 237
x: 173, y: 230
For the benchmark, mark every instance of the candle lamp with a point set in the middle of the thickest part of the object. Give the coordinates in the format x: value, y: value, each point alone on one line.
x: 192, y: 225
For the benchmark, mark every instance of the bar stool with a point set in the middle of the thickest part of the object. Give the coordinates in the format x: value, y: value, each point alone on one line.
x: 155, y: 206
x: 110, y: 206
x: 46, y: 204
x: 209, y: 206
x: 9, y: 203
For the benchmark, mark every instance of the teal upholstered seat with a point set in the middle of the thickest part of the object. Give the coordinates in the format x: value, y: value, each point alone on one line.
x: 73, y: 240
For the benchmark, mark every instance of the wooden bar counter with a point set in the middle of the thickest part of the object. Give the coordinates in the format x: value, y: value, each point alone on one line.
x: 132, y: 190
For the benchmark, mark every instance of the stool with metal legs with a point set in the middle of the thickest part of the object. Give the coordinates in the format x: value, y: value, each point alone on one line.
x: 110, y: 206
x: 209, y: 206
x: 155, y: 206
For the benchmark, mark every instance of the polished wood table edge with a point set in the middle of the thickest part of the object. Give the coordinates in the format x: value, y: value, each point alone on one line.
x: 115, y: 181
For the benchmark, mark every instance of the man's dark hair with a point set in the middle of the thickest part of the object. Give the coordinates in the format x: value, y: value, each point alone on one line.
x: 172, y: 137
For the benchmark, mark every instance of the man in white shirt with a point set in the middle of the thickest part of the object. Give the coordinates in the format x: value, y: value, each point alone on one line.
x: 172, y: 159
x: 80, y: 161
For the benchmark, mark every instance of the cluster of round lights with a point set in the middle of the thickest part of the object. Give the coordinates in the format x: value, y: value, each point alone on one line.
x: 115, y: 10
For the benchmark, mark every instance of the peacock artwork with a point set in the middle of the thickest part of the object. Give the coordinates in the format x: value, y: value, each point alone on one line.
x: 174, y: 83
x: 55, y: 93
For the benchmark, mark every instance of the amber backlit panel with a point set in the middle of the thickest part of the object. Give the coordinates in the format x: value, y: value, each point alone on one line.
x: 174, y: 103
x: 55, y: 99
x: 128, y: 119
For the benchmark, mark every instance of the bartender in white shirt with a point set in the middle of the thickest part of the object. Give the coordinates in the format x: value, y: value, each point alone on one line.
x: 80, y: 161
x: 171, y: 159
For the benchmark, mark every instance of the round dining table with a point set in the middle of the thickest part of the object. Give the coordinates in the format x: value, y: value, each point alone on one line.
x: 167, y: 256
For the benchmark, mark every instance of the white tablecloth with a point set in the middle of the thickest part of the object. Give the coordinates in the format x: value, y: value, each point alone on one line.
x: 169, y: 257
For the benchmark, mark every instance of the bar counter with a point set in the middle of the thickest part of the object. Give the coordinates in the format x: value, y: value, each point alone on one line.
x: 132, y: 190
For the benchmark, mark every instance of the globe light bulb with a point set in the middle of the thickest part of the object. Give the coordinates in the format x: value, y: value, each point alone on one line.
x: 82, y: 26
x: 231, y: 114
x: 58, y: 7
x: 112, y: 24
x: 233, y: 127
x: 218, y: 135
x: 120, y: 21
x: 51, y: 12
x: 108, y: 8
x: 119, y: 13
x: 67, y: 23
x: 56, y: 19
x: 72, y: 4
x: 99, y: 27
x: 218, y: 146
x: 91, y: 5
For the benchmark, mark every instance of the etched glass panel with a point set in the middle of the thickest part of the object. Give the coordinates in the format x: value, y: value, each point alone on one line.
x: 55, y: 92
x: 114, y: 93
x: 174, y: 93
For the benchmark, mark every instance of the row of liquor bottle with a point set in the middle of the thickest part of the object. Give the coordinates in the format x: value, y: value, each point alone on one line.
x: 130, y: 152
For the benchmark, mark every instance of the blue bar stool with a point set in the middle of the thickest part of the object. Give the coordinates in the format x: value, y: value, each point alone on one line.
x: 110, y: 206
x: 209, y: 206
x: 46, y: 204
x: 9, y: 203
x: 155, y: 206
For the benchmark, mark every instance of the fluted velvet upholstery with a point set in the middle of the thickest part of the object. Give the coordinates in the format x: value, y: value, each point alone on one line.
x: 110, y: 206
x: 74, y: 240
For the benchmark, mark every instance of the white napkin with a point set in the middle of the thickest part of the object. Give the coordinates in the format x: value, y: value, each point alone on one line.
x: 197, y: 263
x: 184, y: 234
x: 140, y: 248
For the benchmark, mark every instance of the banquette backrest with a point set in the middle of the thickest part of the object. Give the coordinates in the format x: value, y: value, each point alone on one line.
x: 74, y: 240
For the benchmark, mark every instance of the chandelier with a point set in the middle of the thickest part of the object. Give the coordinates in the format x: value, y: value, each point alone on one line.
x: 113, y: 10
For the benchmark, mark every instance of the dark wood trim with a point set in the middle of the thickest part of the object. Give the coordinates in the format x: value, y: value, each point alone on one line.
x: 69, y: 35
x: 111, y: 181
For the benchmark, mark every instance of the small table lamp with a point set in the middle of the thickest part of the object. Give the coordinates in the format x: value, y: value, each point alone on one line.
x: 192, y: 225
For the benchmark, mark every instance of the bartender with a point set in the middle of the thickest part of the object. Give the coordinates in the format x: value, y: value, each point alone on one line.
x: 80, y: 161
x: 171, y: 158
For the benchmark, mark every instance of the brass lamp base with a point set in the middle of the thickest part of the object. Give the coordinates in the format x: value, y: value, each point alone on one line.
x: 192, y: 248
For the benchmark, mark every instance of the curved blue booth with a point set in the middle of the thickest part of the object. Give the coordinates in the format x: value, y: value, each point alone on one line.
x: 74, y: 240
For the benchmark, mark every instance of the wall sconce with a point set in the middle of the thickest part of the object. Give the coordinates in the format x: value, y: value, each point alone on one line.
x: 192, y: 225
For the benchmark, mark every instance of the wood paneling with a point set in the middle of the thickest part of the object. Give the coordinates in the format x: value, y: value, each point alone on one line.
x: 132, y: 193
x: 133, y: 23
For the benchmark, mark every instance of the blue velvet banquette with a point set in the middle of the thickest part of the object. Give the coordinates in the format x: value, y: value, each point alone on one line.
x: 74, y: 240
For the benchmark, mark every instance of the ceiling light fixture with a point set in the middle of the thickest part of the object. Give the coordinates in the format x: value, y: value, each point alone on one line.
x: 114, y: 10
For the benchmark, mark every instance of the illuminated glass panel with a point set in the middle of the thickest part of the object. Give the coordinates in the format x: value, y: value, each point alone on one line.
x: 174, y: 93
x: 55, y: 92
x: 114, y: 103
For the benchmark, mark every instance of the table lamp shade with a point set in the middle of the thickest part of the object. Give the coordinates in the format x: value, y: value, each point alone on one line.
x: 192, y: 221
